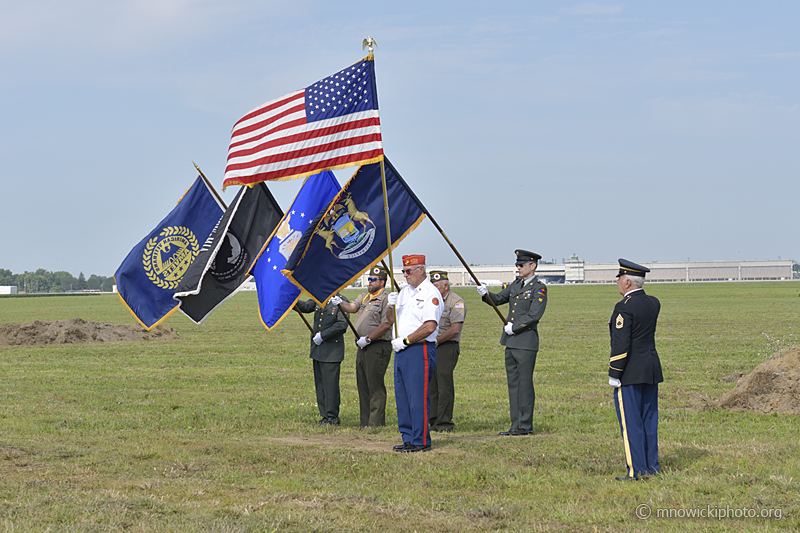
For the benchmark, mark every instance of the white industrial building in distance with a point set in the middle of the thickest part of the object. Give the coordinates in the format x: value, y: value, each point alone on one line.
x: 575, y: 270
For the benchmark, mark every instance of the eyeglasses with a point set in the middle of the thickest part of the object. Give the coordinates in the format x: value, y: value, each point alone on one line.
x: 407, y: 271
x: 372, y: 279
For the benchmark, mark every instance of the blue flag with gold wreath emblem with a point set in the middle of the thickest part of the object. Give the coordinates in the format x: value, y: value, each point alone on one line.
x: 147, y: 278
x: 276, y: 294
x: 349, y: 236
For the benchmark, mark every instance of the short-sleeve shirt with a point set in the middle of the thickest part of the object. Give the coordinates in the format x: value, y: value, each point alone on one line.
x: 416, y: 305
x: 371, y: 314
x: 454, y: 312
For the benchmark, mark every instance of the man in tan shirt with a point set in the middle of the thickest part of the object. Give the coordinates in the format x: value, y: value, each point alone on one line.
x: 373, y: 325
x: 441, y: 390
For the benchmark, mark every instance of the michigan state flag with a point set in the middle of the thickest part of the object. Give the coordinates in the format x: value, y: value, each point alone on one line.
x: 276, y: 294
x: 349, y: 236
x: 149, y: 275
x: 225, y: 258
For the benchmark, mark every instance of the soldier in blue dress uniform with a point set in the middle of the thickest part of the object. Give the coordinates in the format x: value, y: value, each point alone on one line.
x: 635, y: 371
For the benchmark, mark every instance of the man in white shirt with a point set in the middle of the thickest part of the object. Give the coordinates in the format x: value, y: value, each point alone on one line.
x: 419, y: 307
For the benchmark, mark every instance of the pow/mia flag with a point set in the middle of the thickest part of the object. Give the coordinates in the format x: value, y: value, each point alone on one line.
x: 153, y: 269
x: 225, y: 258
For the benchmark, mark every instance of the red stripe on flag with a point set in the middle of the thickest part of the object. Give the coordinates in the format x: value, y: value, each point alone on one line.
x: 301, y: 137
x: 270, y: 107
x: 305, y: 152
x: 349, y: 160
x: 269, y: 133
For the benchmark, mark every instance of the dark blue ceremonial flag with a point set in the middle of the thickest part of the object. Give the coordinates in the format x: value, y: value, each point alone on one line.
x: 276, y: 294
x: 350, y: 235
x: 147, y: 278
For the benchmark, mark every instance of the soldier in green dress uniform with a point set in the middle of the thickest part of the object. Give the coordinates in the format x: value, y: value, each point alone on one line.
x: 527, y: 298
x: 327, y: 353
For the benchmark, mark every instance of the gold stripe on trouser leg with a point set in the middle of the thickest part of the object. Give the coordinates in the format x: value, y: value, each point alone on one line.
x: 626, y: 443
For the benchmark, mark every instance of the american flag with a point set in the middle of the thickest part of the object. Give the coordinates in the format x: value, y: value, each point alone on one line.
x: 331, y: 124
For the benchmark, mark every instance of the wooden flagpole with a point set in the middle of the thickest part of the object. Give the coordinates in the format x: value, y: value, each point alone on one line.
x: 225, y: 207
x: 391, y: 276
x: 388, y: 236
x: 471, y: 273
x: 346, y: 317
x: 304, y: 319
x: 370, y: 42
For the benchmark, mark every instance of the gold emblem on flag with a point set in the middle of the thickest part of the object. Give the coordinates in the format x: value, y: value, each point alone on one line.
x: 167, y: 256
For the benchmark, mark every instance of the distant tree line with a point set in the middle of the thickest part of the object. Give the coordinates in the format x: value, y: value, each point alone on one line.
x: 45, y: 281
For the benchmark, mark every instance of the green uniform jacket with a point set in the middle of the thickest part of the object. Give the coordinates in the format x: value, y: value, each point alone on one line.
x: 526, y: 304
x: 331, y: 323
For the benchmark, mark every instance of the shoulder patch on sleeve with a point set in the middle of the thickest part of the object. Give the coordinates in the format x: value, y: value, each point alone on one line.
x: 620, y: 321
x: 459, y: 305
x: 435, y: 300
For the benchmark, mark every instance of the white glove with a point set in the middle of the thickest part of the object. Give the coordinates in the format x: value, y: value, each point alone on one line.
x: 398, y: 345
x: 508, y: 329
x: 317, y: 338
x: 482, y: 290
x: 336, y: 300
x: 392, y: 299
x: 614, y: 382
x: 362, y: 342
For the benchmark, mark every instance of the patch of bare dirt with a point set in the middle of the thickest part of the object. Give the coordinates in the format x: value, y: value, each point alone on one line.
x: 77, y: 330
x: 772, y: 387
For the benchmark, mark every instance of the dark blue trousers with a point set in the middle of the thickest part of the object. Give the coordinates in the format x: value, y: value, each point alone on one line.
x: 637, y: 413
x: 413, y: 368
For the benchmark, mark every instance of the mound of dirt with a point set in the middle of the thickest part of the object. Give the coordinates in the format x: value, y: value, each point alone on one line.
x: 77, y: 330
x: 772, y: 387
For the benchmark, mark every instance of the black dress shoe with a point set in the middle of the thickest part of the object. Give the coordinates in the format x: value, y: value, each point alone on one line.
x: 518, y: 432
x: 415, y: 448
x: 509, y: 432
x: 400, y: 447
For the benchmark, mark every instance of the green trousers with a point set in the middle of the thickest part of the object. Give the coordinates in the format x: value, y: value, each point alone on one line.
x: 326, y: 381
x: 441, y: 391
x: 371, y: 365
x: 521, y: 397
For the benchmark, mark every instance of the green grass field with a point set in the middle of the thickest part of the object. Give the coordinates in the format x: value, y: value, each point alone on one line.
x: 217, y: 431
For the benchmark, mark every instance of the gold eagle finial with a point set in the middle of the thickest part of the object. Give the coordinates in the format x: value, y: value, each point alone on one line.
x: 369, y: 41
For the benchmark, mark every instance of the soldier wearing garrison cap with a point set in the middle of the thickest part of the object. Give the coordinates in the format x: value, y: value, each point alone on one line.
x: 635, y: 370
x: 527, y: 298
x: 441, y: 390
x: 373, y: 325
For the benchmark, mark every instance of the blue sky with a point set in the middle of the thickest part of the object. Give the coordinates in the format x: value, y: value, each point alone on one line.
x: 653, y: 131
